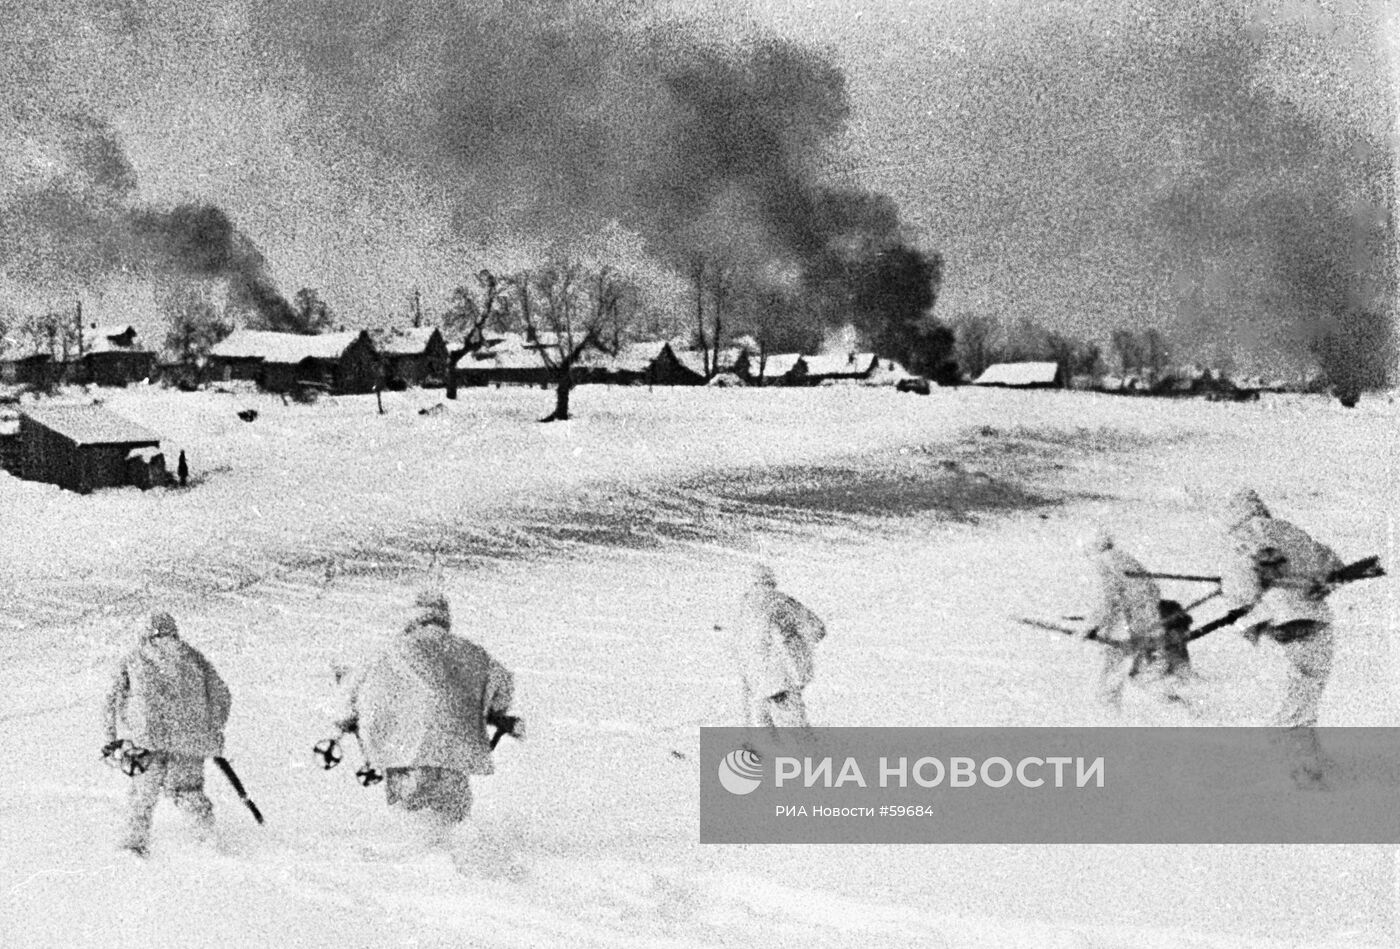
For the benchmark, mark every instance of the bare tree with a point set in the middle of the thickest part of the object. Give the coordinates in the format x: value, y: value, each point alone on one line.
x: 1087, y: 360
x: 716, y: 279
x: 1156, y: 355
x: 1026, y: 341
x: 566, y: 310
x: 1127, y: 349
x: 975, y: 347
x: 195, y: 323
x: 51, y: 332
x: 471, y: 312
x: 698, y: 270
x: 1060, y: 349
x: 312, y: 315
x: 783, y: 322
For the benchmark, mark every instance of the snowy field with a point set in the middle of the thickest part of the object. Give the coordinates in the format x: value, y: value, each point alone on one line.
x: 594, y: 557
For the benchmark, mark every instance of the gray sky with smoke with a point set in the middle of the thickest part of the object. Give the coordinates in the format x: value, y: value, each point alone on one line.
x: 1222, y: 171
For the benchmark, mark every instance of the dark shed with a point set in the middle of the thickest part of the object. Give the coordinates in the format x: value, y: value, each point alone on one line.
x: 78, y: 447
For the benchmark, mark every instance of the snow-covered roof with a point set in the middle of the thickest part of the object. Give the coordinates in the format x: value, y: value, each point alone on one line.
x: 840, y: 364
x: 284, y: 347
x: 691, y: 359
x: 1019, y: 374
x: 412, y: 341
x: 634, y: 357
x: 775, y: 365
x: 694, y: 359
x: 503, y: 351
x: 89, y: 424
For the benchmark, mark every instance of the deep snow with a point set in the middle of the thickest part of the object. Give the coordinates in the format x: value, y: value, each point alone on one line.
x: 594, y: 557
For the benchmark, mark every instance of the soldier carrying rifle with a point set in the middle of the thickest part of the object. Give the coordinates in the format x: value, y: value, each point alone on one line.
x: 174, y: 707
x: 1146, y: 634
x: 1276, y: 581
x: 420, y: 709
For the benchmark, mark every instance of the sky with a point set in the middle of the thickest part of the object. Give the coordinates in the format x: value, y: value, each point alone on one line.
x: 1222, y: 171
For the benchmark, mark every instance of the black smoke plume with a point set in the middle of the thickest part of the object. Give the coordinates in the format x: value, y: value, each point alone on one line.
x: 550, y: 118
x: 82, y: 226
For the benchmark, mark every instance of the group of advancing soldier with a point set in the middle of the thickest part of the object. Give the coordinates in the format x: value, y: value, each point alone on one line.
x: 1275, y: 581
x: 420, y: 709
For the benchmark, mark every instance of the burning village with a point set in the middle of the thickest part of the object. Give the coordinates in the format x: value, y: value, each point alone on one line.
x: 454, y: 454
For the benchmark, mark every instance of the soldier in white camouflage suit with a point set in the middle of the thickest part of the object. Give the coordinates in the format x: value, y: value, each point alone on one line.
x: 170, y: 701
x: 1280, y: 575
x: 421, y: 707
x: 774, y: 637
x: 1144, y: 635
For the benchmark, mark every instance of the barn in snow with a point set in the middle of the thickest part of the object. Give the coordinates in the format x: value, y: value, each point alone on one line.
x: 29, y: 369
x: 646, y: 363
x: 1022, y: 375
x: 413, y: 357
x: 345, y: 363
x: 112, y: 357
x: 504, y: 359
x: 85, y: 447
x: 840, y: 367
x: 771, y: 370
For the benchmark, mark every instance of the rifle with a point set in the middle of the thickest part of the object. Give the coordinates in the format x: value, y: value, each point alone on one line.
x: 1215, y: 624
x: 227, y: 769
x: 1053, y: 627
x: 1189, y: 577
x: 1364, y: 569
x: 1092, y: 636
x: 1172, y: 616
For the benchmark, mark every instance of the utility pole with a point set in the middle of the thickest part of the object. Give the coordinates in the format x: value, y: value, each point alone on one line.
x: 417, y: 308
x: 79, y: 318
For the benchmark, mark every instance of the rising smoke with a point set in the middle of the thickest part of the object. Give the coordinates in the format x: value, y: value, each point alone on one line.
x: 1173, y: 163
x: 80, y: 225
x: 542, y: 117
x: 1221, y: 171
x: 524, y: 123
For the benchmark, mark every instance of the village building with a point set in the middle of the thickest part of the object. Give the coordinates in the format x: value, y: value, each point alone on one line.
x: 413, y: 357
x: 86, y: 447
x: 840, y: 367
x: 1022, y: 375
x: 345, y: 363
x: 29, y: 369
x: 771, y: 370
x: 718, y: 363
x: 111, y: 357
x: 646, y: 363
x: 503, y: 359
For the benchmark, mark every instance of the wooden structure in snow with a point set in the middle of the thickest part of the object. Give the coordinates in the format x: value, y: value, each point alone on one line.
x: 84, y: 448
